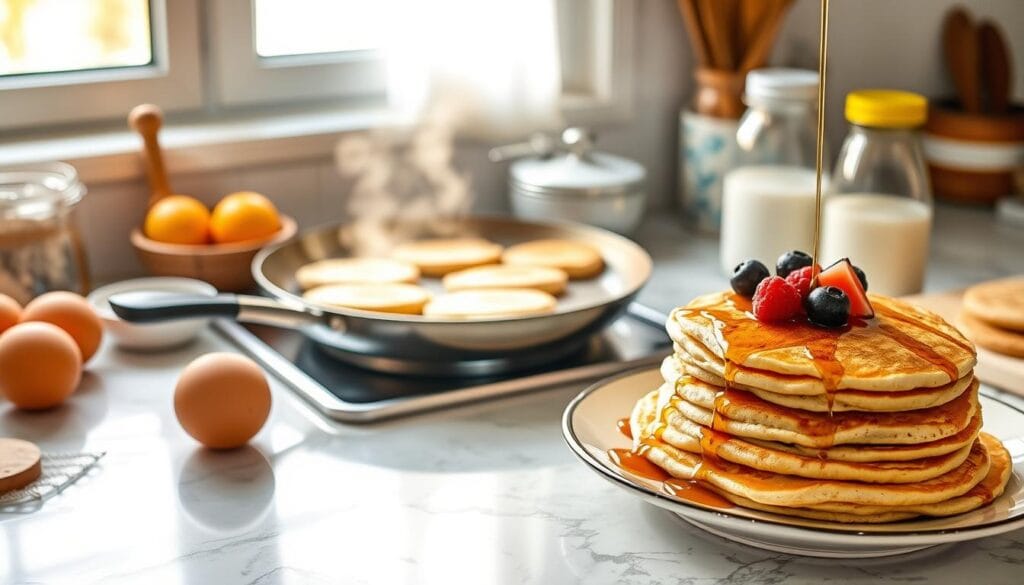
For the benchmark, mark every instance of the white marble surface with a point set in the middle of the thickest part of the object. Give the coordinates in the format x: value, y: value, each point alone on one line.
x: 480, y: 494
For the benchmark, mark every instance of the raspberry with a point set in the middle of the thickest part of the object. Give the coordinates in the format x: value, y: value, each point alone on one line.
x: 776, y: 300
x: 800, y: 279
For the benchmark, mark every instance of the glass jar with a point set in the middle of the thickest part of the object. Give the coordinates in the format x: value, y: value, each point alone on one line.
x: 878, y: 212
x: 40, y: 248
x: 768, y: 197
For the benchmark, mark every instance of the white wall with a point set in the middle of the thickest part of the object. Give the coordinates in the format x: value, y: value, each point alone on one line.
x: 890, y: 43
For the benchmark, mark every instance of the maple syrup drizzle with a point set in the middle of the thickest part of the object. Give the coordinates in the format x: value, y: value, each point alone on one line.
x: 636, y: 463
x: 624, y: 428
x: 693, y: 491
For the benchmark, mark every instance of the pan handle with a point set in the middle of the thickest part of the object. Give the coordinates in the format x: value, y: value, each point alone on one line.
x: 148, y: 307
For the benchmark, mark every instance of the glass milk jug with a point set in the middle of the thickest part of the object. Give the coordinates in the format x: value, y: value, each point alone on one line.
x: 768, y: 197
x: 878, y: 212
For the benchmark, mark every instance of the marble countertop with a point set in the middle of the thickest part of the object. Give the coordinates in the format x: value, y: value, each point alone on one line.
x: 486, y: 493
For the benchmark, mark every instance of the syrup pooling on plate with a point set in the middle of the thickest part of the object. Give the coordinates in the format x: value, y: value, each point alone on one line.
x: 624, y: 428
x: 693, y: 491
x: 633, y: 461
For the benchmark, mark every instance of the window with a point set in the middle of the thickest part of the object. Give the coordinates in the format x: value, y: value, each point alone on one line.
x: 118, y: 53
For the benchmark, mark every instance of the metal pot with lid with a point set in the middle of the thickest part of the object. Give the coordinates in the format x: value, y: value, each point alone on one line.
x: 566, y: 179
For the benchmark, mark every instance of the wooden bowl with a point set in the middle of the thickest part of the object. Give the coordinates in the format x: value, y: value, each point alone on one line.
x: 225, y: 266
x: 972, y: 157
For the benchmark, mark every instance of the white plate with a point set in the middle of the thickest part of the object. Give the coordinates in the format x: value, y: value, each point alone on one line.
x: 589, y: 426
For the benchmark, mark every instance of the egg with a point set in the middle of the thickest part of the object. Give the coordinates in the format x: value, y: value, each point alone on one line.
x: 70, y: 312
x: 40, y: 365
x: 10, y: 312
x: 222, y: 400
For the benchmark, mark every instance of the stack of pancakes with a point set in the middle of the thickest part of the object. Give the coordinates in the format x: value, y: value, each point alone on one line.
x: 875, y: 422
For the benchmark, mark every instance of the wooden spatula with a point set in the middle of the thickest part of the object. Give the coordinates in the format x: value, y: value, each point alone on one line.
x: 960, y: 44
x: 996, y: 70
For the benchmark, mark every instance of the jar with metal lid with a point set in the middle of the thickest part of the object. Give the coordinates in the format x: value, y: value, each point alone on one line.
x: 878, y: 211
x: 571, y: 181
x: 40, y: 248
x: 768, y: 196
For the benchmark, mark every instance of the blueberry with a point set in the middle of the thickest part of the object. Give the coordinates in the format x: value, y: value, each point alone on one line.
x: 746, y: 276
x: 828, y: 306
x: 790, y: 261
x: 863, y: 278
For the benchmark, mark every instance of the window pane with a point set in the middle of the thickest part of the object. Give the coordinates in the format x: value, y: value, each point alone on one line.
x: 304, y: 27
x: 40, y: 36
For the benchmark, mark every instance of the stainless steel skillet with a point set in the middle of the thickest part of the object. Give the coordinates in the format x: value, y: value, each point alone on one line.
x: 412, y: 344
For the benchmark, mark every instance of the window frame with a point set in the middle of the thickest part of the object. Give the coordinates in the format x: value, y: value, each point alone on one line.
x: 240, y: 77
x: 173, y: 80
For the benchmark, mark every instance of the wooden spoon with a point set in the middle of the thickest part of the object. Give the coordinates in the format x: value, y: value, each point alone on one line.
x: 960, y: 44
x: 759, y: 49
x: 995, y: 67
x: 713, y: 19
x: 146, y: 119
x: 693, y: 28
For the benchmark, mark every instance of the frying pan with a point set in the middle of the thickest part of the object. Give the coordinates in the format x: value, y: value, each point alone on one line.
x: 414, y: 344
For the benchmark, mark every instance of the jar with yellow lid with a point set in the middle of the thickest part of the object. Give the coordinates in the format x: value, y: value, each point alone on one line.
x: 878, y: 212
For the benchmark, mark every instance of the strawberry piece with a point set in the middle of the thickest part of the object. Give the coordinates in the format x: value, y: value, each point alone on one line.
x: 776, y: 300
x: 800, y: 279
x: 842, y: 275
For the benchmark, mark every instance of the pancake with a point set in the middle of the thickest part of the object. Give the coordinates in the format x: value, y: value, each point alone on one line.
x: 674, y: 367
x: 999, y: 303
x: 986, y: 335
x: 990, y: 488
x: 490, y: 304
x: 550, y: 280
x: 688, y: 437
x: 401, y: 298
x: 902, y: 348
x: 355, y: 271
x: 743, y: 414
x: 438, y: 257
x: 578, y: 260
x: 765, y: 487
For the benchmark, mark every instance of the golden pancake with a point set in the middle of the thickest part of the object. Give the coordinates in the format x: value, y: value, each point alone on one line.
x: 438, y: 257
x: 674, y: 367
x: 490, y: 304
x: 1002, y: 341
x: 355, y: 271
x: 765, y: 487
x: 902, y: 348
x: 990, y: 488
x: 744, y: 415
x: 550, y: 280
x: 577, y: 259
x: 385, y: 298
x: 999, y: 303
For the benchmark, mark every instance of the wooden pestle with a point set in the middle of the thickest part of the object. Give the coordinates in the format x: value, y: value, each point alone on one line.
x: 146, y: 119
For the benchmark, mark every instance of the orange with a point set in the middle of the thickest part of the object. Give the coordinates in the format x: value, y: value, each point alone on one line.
x: 244, y: 216
x: 178, y: 219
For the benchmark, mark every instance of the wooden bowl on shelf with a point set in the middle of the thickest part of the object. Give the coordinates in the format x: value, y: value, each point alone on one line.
x: 972, y: 157
x: 225, y: 266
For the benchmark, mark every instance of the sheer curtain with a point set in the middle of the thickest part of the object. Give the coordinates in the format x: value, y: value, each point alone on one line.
x: 490, y: 68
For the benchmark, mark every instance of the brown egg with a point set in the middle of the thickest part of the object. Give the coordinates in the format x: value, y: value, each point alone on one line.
x: 40, y: 365
x: 10, y: 312
x: 70, y: 312
x: 222, y: 400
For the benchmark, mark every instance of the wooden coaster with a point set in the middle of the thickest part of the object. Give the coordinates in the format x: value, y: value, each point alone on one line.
x: 19, y: 464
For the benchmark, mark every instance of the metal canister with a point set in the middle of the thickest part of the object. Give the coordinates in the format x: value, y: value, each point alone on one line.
x: 567, y: 180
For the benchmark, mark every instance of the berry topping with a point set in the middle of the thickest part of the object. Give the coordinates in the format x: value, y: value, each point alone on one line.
x: 746, y: 276
x: 800, y: 279
x: 776, y: 300
x: 790, y: 261
x: 843, y: 275
x: 863, y: 278
x: 828, y: 306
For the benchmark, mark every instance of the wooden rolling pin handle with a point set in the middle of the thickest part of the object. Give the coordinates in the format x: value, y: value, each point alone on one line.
x: 146, y: 119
